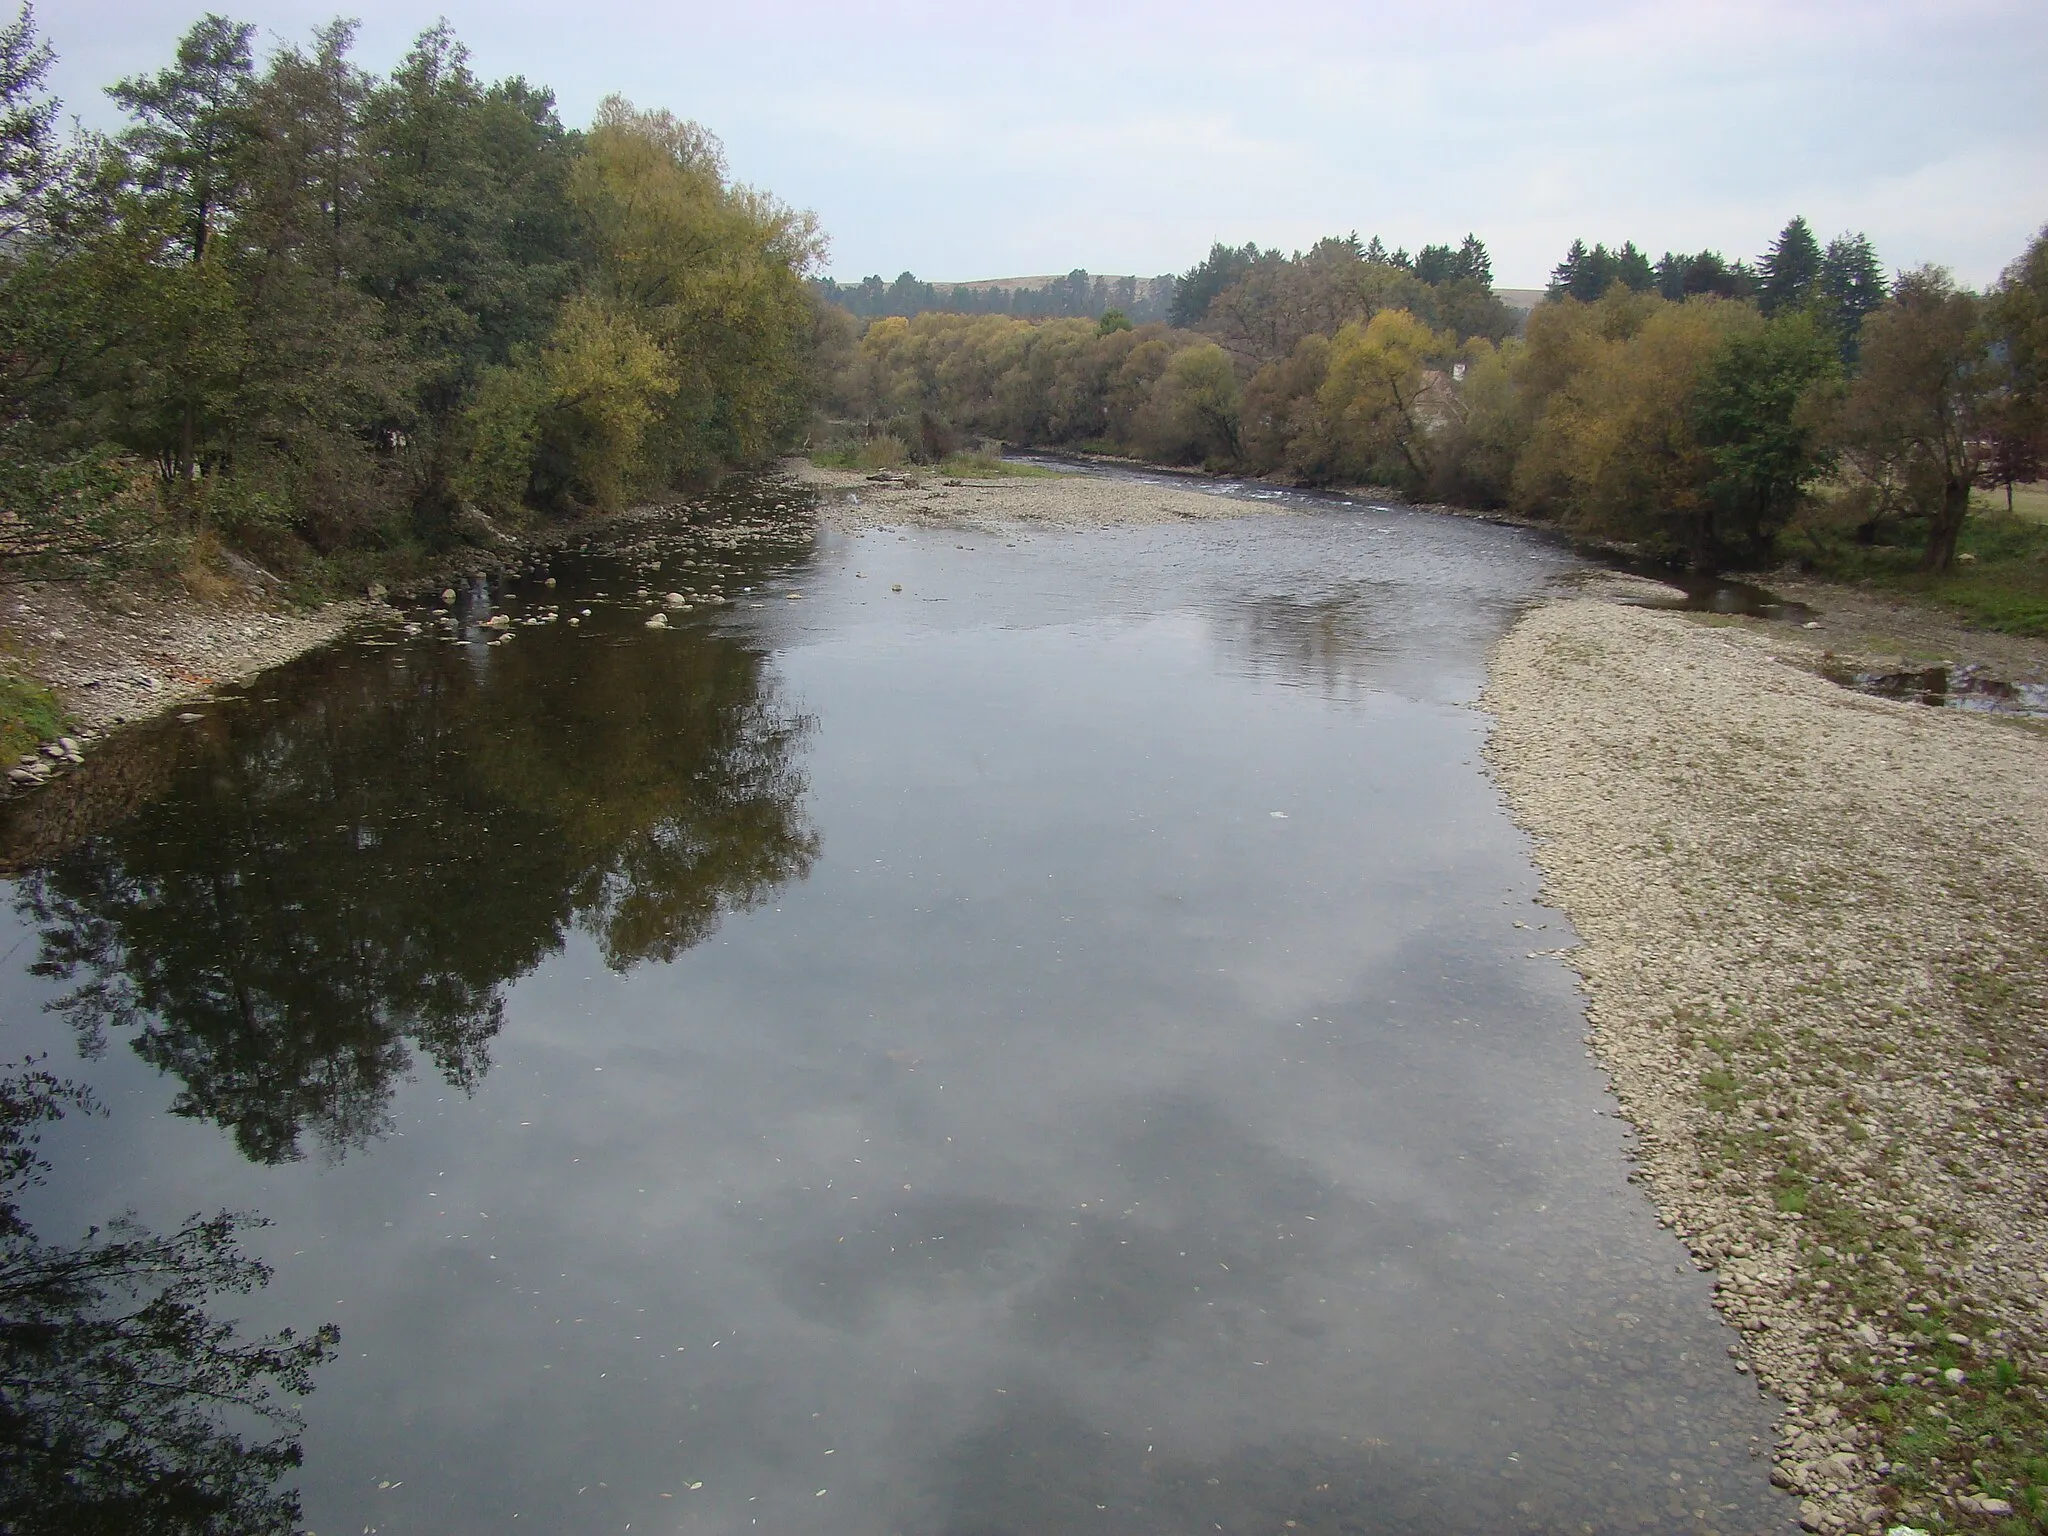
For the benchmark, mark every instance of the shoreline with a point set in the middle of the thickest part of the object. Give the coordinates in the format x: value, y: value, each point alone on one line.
x: 118, y: 654
x: 1814, y: 939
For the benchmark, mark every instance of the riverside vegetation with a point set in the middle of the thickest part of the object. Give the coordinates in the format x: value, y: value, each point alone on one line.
x: 336, y: 324
x: 1694, y: 408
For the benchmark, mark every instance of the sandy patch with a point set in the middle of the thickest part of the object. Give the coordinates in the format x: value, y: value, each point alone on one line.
x: 1816, y: 946
x: 850, y: 501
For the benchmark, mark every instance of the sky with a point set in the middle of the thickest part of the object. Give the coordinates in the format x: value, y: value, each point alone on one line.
x: 977, y: 141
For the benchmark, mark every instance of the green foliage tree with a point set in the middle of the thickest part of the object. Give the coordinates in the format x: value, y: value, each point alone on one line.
x: 1703, y: 273
x: 191, y: 124
x: 1193, y: 413
x: 1757, y: 412
x: 1790, y: 269
x: 1851, y: 283
x: 30, y: 162
x: 1197, y: 287
x: 1586, y: 275
x: 1913, y: 420
x: 1283, y: 428
x: 328, y: 308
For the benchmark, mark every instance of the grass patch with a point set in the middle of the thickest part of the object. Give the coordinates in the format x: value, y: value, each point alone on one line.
x: 884, y: 452
x: 2028, y: 501
x: 2003, y: 585
x: 986, y: 466
x: 29, y: 715
x: 1722, y: 1090
x: 889, y: 453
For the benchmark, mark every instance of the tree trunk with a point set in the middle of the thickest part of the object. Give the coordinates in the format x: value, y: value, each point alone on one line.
x: 1947, y: 526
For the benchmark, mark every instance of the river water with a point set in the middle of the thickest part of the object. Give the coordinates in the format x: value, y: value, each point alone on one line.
x: 1039, y: 1032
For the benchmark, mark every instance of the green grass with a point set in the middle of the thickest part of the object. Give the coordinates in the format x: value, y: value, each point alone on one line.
x: 2002, y: 586
x: 29, y: 715
x: 986, y: 466
x: 887, y: 453
x: 2028, y: 501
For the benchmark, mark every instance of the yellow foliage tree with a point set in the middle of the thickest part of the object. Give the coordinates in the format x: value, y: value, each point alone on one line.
x: 712, y: 273
x: 1374, y: 397
x: 1614, y: 443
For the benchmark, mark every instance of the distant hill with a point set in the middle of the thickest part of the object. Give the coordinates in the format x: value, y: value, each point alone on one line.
x: 1524, y: 299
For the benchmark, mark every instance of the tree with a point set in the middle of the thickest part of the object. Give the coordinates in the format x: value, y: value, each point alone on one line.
x: 1705, y: 273
x: 1587, y: 275
x: 712, y: 273
x: 1788, y: 271
x: 2019, y: 323
x: 1371, y: 398
x: 1199, y: 285
x: 30, y: 163
x: 191, y: 124
x: 1915, y: 414
x: 1850, y: 284
x: 1755, y: 413
x: 186, y: 147
x: 1612, y: 394
x: 1193, y: 414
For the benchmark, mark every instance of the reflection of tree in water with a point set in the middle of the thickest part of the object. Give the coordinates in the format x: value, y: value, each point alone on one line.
x: 357, y: 879
x: 1330, y: 642
x: 123, y: 1403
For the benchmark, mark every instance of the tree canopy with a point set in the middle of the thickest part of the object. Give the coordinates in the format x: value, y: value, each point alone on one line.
x: 315, y: 309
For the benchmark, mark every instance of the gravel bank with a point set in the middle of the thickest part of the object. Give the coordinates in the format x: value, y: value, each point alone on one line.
x: 1815, y: 941
x: 850, y: 501
x: 113, y: 654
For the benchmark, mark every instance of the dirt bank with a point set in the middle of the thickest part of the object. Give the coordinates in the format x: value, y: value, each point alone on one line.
x: 1815, y: 935
x: 113, y: 653
x: 850, y: 500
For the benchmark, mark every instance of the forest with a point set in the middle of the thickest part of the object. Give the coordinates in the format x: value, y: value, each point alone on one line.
x: 1690, y: 406
x: 330, y: 317
x: 337, y: 321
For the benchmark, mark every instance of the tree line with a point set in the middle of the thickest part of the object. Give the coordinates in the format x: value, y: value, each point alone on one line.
x: 1077, y: 295
x: 315, y: 310
x: 1689, y: 405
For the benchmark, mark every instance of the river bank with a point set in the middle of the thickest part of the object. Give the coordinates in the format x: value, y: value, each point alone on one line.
x: 1815, y: 942
x: 117, y: 652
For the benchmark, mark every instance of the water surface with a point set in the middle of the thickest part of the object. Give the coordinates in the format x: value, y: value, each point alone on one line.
x: 1068, y: 1045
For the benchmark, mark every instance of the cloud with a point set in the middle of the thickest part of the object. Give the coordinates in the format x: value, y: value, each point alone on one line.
x: 1124, y: 138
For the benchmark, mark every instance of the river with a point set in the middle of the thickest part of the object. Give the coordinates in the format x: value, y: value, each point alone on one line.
x: 975, y: 1032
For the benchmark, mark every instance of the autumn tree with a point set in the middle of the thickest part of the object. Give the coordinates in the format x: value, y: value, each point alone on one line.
x: 1913, y: 419
x: 2016, y: 417
x: 1372, y: 398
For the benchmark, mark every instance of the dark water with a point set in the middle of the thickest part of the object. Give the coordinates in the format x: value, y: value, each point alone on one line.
x: 1052, y: 1048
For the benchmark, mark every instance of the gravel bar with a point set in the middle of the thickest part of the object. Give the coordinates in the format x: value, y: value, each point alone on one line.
x: 1814, y: 935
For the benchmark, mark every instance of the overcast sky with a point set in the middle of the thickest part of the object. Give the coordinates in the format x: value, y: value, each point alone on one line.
x: 984, y: 141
